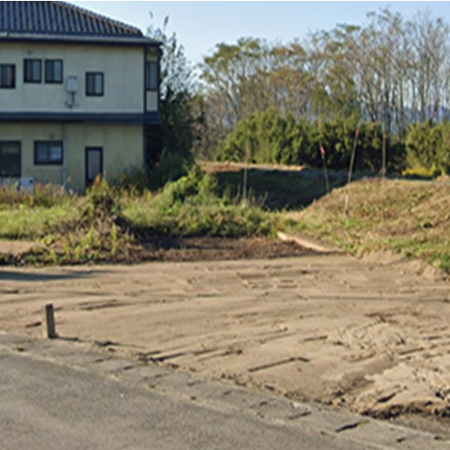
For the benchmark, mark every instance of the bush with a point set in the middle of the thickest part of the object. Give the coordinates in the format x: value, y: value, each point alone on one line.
x: 135, y: 181
x: 270, y: 138
x: 191, y: 206
x: 170, y: 167
x: 266, y: 138
x: 101, y: 196
x: 423, y: 143
x: 428, y: 148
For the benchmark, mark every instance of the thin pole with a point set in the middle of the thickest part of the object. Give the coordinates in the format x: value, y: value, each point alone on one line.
x: 351, y: 168
x: 325, y: 169
x: 384, y: 164
x: 384, y: 168
x: 323, y: 156
x: 245, y: 187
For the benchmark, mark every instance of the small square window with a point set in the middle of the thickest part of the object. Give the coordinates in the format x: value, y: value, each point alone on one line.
x: 7, y: 76
x: 10, y: 160
x: 48, y: 153
x: 152, y: 76
x: 53, y: 71
x: 95, y: 84
x: 32, y: 71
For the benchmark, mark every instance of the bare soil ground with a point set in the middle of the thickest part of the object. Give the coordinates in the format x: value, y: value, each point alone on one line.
x: 372, y: 337
x: 218, y: 167
x: 15, y: 253
x: 215, y: 249
x: 16, y: 248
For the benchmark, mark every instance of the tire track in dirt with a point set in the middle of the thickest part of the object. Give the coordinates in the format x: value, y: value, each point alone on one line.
x: 373, y: 338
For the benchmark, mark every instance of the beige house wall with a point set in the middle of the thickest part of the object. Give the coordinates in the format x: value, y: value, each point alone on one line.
x: 123, y: 150
x: 123, y: 69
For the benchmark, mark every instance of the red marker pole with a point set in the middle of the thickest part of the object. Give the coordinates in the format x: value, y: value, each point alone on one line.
x: 323, y: 154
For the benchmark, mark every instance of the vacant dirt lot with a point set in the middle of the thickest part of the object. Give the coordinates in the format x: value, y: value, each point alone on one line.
x: 372, y: 337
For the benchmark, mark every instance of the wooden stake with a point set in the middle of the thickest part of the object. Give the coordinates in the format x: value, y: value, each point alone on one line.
x: 245, y: 187
x: 384, y: 168
x: 384, y: 164
x: 350, y: 170
x: 49, y: 320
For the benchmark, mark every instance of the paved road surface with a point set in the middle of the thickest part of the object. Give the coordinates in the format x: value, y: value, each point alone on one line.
x: 67, y: 395
x: 48, y: 406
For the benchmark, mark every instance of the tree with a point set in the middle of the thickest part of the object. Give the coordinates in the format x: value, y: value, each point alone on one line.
x: 387, y: 73
x: 170, y: 144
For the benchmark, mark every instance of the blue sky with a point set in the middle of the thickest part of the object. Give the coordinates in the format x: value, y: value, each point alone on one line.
x: 201, y: 25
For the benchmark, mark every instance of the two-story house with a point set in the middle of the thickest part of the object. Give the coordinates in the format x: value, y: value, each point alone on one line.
x: 76, y: 91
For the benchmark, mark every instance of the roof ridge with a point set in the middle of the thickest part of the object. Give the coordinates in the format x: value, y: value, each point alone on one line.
x: 98, y: 16
x: 41, y: 20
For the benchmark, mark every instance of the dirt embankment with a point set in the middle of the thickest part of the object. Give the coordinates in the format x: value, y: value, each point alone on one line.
x: 373, y: 338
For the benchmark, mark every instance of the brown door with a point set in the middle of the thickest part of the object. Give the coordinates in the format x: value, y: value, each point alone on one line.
x: 94, y: 164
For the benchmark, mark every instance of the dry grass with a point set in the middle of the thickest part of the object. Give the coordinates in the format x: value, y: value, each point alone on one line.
x: 409, y: 217
x: 109, y: 224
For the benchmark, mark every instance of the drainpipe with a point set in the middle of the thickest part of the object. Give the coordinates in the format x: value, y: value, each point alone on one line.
x: 64, y: 151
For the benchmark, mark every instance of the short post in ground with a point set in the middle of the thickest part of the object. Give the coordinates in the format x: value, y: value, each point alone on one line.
x: 49, y: 322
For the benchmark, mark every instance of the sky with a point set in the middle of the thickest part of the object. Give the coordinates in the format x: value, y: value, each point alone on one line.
x: 201, y: 25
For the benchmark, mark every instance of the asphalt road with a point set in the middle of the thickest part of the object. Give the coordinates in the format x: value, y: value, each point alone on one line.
x: 47, y: 406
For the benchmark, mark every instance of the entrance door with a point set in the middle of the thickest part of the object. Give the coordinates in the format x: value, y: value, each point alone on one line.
x: 94, y: 164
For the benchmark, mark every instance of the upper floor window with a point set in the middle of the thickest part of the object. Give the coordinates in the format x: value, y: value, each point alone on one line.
x: 10, y: 159
x: 152, y: 76
x: 48, y: 153
x: 32, y: 71
x: 53, y: 71
x: 95, y: 84
x: 7, y: 76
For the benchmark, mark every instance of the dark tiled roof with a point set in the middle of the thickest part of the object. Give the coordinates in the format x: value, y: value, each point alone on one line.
x: 59, y: 19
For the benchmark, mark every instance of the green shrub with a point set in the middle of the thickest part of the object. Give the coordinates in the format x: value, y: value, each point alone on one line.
x: 102, y: 198
x: 266, y: 137
x: 428, y: 148
x: 170, y: 167
x: 191, y: 206
x: 270, y: 138
x: 423, y: 145
x: 135, y: 181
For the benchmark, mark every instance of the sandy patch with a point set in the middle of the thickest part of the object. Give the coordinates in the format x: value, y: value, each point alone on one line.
x: 372, y: 338
x: 17, y: 248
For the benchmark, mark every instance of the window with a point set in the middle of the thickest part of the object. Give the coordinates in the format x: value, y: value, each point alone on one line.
x: 53, y: 71
x: 95, y: 84
x: 10, y: 160
x: 48, y: 153
x: 7, y: 76
x: 152, y: 76
x: 32, y: 71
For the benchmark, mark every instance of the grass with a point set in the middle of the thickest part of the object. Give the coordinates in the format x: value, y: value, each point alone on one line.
x: 411, y: 218
x: 32, y: 223
x: 276, y: 188
x: 113, y: 225
x: 32, y: 216
x: 192, y: 207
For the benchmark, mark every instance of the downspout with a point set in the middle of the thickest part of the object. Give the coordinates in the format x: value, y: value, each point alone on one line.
x: 145, y: 110
x: 64, y: 150
x: 71, y: 106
